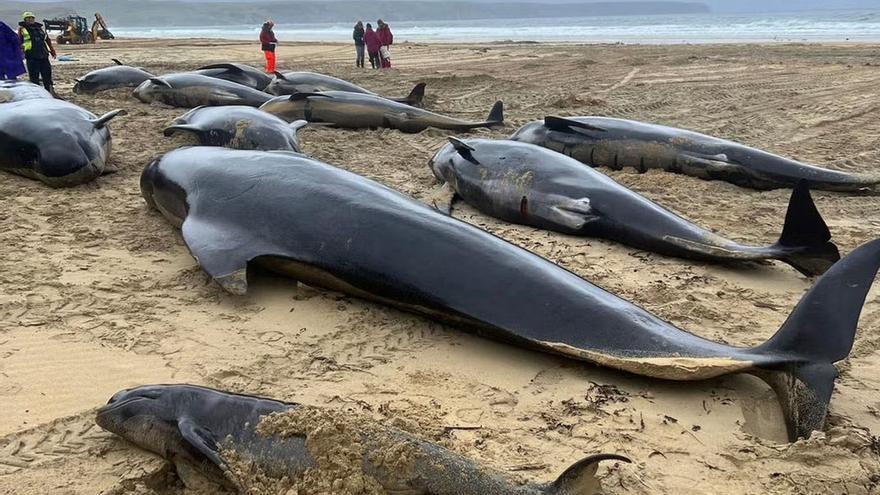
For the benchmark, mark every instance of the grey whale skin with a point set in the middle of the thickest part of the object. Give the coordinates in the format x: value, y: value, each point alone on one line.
x: 527, y: 184
x: 14, y: 91
x: 618, y: 143
x: 330, y: 228
x: 115, y: 76
x: 239, y: 127
x: 362, y: 111
x: 193, y: 427
x: 311, y: 82
x: 56, y: 142
x: 191, y: 90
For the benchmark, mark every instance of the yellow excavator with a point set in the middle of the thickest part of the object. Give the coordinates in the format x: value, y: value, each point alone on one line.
x: 75, y: 29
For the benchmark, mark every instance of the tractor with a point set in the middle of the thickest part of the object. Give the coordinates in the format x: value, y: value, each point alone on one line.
x: 75, y: 29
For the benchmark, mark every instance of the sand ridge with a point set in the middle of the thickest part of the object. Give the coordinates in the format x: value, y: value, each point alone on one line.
x: 98, y: 293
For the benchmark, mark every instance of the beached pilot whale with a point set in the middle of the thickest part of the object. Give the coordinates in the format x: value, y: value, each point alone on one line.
x: 239, y: 127
x: 527, y: 184
x: 115, y: 76
x: 361, y: 111
x: 197, y: 429
x: 12, y: 91
x: 237, y: 73
x: 54, y: 141
x: 311, y: 82
x: 331, y: 228
x: 617, y: 143
x: 190, y: 90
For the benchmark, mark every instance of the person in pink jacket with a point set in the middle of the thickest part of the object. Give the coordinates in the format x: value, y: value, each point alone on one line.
x: 371, y: 39
x: 386, y: 39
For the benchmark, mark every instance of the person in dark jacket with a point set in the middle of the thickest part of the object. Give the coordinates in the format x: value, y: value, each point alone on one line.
x: 10, y: 53
x: 386, y: 39
x: 268, y: 42
x: 37, y: 48
x: 359, y: 43
x: 371, y: 39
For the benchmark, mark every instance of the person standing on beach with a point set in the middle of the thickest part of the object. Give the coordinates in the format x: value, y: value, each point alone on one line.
x: 268, y: 41
x: 371, y: 39
x: 359, y: 43
x: 386, y: 39
x: 10, y: 53
x: 37, y: 47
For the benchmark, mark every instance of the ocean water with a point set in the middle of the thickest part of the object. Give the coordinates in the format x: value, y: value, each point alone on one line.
x: 825, y: 26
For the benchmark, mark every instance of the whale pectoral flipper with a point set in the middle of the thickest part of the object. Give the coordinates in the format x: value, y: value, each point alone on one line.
x: 101, y: 121
x: 580, y: 477
x: 221, y: 251
x: 201, y: 439
x: 442, y: 198
x: 574, y: 213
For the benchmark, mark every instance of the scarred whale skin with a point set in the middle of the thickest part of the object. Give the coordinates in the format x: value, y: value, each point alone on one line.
x: 531, y: 185
x: 618, y: 143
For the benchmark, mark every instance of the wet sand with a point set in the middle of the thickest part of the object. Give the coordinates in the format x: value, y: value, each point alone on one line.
x: 98, y: 293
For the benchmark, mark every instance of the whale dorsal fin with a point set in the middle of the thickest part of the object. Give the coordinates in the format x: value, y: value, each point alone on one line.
x: 161, y: 82
x: 580, y: 477
x: 303, y: 96
x: 229, y: 67
x: 116, y: 61
x: 568, y: 125
x: 279, y: 75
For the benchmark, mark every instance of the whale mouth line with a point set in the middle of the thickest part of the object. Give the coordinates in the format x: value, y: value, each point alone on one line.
x: 112, y: 407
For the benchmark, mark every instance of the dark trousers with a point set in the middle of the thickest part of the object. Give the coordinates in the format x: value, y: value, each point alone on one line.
x: 374, y: 60
x: 360, y: 55
x: 40, y: 68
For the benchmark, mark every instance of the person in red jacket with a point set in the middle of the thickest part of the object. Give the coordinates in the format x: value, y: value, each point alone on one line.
x: 371, y: 39
x: 386, y: 39
x: 268, y: 40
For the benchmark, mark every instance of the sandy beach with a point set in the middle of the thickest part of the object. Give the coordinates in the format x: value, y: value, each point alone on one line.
x: 99, y: 293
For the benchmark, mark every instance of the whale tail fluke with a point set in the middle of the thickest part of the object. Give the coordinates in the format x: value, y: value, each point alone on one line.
x: 496, y: 115
x: 580, y: 477
x: 806, y: 240
x: 819, y: 332
x: 415, y: 96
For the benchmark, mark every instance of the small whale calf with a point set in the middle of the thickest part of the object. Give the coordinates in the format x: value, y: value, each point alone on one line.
x: 115, y: 76
x: 239, y: 127
x: 330, y: 228
x: 527, y: 184
x: 617, y: 143
x: 363, y: 111
x: 190, y: 90
x: 203, y: 432
x: 311, y: 82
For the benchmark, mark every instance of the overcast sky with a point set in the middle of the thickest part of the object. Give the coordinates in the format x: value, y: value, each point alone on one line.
x: 715, y: 5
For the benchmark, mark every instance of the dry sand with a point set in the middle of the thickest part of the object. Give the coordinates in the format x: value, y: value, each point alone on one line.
x: 98, y: 293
